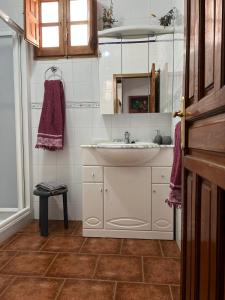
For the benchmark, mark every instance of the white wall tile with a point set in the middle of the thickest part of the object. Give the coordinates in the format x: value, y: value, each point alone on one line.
x: 82, y: 135
x: 82, y: 117
x: 99, y: 120
x: 46, y: 157
x: 101, y: 134
x: 64, y: 174
x: 47, y: 173
x: 122, y: 120
x: 65, y: 157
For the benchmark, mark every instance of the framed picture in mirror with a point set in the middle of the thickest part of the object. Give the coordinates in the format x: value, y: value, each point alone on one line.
x: 139, y: 104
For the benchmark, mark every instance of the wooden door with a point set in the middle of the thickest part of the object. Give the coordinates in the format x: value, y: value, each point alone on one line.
x: 203, y: 262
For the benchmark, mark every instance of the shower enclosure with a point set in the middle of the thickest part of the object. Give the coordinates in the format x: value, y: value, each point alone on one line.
x: 13, y: 165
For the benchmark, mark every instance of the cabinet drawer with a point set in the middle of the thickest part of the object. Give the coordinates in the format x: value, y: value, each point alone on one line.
x: 92, y: 174
x: 161, y: 175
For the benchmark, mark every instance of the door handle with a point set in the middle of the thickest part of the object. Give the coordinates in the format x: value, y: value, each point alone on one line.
x: 181, y: 114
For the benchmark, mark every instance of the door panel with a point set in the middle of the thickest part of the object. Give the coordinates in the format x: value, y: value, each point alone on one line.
x: 209, y: 43
x: 204, y: 156
x: 162, y: 215
x: 127, y: 198
x: 205, y: 239
x: 93, y: 205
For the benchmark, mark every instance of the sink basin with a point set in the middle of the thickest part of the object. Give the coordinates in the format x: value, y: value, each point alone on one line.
x: 122, y: 145
x: 127, y: 154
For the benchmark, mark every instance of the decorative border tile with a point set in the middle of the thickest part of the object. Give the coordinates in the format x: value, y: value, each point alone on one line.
x: 71, y: 105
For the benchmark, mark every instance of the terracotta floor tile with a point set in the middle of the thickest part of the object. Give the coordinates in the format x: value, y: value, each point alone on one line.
x: 170, y: 249
x: 26, y: 243
x: 63, y: 244
x: 121, y: 268
x: 139, y: 291
x: 78, y: 231
x: 32, y: 288
x: 68, y: 265
x: 7, y: 241
x: 57, y: 227
x: 5, y: 257
x: 141, y: 247
x: 87, y: 290
x: 101, y: 246
x: 162, y: 270
x: 32, y: 227
x: 33, y: 264
x: 175, y: 292
x: 4, y: 282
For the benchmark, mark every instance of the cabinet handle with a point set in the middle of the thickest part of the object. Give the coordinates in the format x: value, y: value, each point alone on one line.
x: 106, y: 190
x: 101, y: 190
x: 163, y: 176
x: 93, y: 174
x: 154, y: 191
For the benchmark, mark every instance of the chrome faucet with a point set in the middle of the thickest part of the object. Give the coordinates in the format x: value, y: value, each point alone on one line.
x: 127, y: 137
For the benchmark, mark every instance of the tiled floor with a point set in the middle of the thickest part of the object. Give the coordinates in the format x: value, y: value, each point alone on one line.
x: 67, y: 266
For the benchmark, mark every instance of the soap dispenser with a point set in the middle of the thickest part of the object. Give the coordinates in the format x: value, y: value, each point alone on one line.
x: 158, y: 138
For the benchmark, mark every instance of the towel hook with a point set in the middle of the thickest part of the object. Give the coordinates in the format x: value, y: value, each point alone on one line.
x: 53, y: 69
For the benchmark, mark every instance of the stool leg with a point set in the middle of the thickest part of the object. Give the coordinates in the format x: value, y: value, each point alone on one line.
x: 65, y: 211
x: 44, y: 215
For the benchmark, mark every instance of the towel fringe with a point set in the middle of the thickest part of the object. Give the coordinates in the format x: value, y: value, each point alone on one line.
x: 49, y: 148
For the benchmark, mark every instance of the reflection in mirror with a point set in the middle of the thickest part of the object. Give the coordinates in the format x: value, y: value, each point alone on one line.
x: 137, y: 93
x: 136, y: 74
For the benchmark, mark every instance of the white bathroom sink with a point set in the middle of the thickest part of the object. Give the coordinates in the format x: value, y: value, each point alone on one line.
x: 128, y: 154
x: 122, y: 145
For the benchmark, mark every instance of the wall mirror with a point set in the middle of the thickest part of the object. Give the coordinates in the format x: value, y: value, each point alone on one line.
x: 136, y: 72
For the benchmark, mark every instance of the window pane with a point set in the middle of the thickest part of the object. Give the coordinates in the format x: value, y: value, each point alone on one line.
x: 79, y: 35
x: 78, y: 10
x: 50, y: 36
x: 49, y: 12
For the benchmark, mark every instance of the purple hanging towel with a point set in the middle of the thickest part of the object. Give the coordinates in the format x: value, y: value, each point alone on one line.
x: 51, y: 127
x: 175, y: 179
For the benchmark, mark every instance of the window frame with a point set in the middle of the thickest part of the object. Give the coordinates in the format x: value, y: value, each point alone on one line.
x: 91, y: 48
x: 51, y: 51
x: 65, y: 49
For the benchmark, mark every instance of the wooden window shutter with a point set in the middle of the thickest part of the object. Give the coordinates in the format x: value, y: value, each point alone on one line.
x: 31, y: 21
x: 51, y: 51
x: 91, y: 48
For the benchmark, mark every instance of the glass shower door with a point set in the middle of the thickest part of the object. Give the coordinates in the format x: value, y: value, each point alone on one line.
x: 10, y: 163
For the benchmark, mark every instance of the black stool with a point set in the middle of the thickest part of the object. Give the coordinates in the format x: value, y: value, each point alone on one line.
x: 43, y: 207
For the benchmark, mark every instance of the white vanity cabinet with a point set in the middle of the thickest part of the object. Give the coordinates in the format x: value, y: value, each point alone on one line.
x: 127, y: 201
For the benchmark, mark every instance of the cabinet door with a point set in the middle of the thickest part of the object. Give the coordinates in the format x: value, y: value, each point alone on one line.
x: 135, y: 57
x: 162, y: 214
x: 93, y: 205
x: 109, y: 64
x: 127, y: 198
